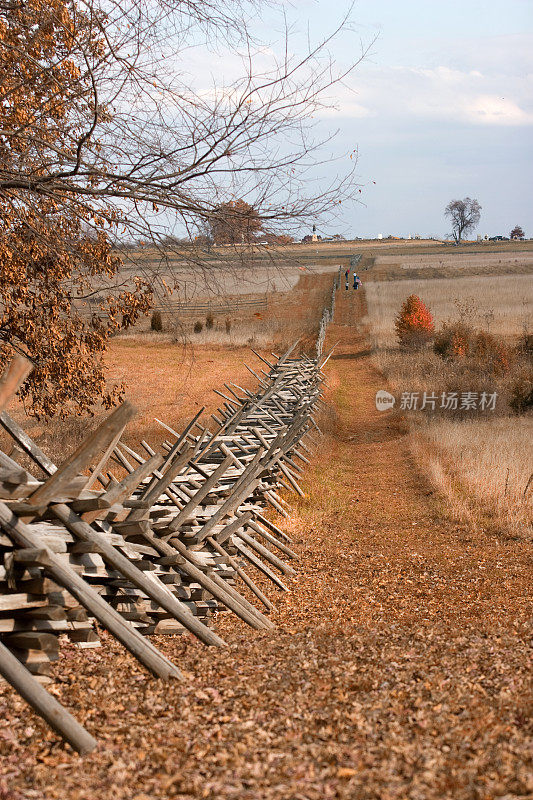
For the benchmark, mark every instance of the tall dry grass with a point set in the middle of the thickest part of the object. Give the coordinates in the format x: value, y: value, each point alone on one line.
x: 502, y: 305
x: 242, y: 331
x: 480, y: 463
x: 425, y: 371
x: 484, y: 469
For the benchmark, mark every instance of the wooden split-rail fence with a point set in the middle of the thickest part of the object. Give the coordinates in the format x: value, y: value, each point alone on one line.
x: 148, y: 542
x: 211, y: 307
x: 179, y: 307
x: 327, y: 316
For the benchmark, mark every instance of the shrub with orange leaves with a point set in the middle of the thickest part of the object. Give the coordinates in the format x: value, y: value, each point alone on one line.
x: 457, y: 341
x: 454, y: 340
x: 414, y: 324
x: 492, y: 352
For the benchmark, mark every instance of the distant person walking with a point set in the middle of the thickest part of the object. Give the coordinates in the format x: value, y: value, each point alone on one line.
x: 347, y: 276
x: 356, y: 281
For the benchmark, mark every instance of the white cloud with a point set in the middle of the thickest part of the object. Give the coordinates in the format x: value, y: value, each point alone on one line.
x: 493, y: 110
x: 414, y: 94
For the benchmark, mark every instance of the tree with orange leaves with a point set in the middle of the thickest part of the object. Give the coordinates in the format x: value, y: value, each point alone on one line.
x: 55, y: 254
x: 414, y: 324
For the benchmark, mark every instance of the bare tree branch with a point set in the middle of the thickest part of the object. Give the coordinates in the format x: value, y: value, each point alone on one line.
x: 105, y: 137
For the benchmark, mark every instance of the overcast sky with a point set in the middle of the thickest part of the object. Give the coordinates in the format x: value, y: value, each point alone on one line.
x: 442, y: 108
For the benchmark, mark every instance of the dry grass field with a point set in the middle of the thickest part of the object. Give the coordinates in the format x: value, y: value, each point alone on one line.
x: 163, y: 380
x: 476, y: 260
x: 481, y: 465
x: 483, y: 469
x: 170, y: 376
x: 237, y: 271
x: 288, y: 314
x: 502, y: 305
x: 227, y: 272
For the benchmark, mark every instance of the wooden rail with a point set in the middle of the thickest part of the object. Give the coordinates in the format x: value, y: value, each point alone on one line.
x: 184, y: 307
x: 213, y: 307
x: 162, y: 549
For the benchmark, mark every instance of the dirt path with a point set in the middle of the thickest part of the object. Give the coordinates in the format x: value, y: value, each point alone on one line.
x: 399, y: 668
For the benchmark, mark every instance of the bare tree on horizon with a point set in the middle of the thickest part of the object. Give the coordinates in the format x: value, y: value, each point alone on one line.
x: 464, y: 216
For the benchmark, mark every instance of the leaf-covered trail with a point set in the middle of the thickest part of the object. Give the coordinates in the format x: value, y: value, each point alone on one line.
x: 399, y: 668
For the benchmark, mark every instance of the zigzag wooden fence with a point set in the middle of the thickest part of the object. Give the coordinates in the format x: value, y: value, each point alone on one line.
x: 159, y: 550
x: 327, y: 315
x: 211, y: 307
x: 183, y: 307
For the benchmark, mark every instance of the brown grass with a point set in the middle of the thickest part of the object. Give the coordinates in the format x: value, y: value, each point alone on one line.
x: 425, y: 371
x: 482, y: 468
x: 288, y: 316
x: 480, y: 464
x: 163, y: 380
x: 431, y: 264
x: 503, y: 306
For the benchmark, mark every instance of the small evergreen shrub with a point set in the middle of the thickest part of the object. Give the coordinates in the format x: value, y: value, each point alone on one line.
x: 198, y: 327
x: 227, y: 323
x: 156, y: 323
x: 209, y: 322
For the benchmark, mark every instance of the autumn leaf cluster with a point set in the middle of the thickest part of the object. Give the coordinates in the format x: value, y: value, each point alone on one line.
x: 55, y: 252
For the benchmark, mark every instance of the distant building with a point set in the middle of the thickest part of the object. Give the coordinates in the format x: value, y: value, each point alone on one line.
x: 380, y: 236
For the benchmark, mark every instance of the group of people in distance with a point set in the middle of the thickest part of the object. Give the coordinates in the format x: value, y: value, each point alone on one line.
x: 356, y: 279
